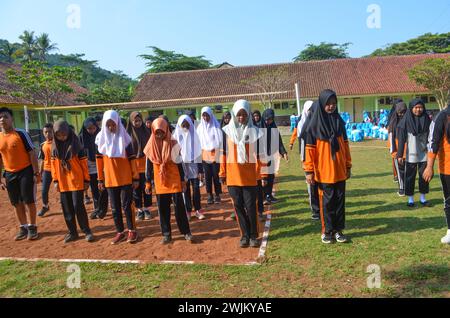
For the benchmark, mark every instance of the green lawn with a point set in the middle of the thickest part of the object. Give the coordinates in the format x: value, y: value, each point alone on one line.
x: 404, y: 243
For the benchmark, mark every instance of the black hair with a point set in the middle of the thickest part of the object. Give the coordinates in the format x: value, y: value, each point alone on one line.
x: 48, y: 126
x: 6, y: 110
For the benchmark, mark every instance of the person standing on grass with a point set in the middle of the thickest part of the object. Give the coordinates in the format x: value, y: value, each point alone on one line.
x: 273, y: 138
x: 313, y: 189
x: 117, y: 173
x: 239, y: 169
x: 140, y: 135
x: 439, y: 146
x: 413, y: 131
x: 21, y: 173
x: 87, y: 136
x: 328, y: 164
x: 397, y: 113
x: 45, y: 170
x: 162, y: 151
x: 191, y: 154
x: 211, y: 138
x: 297, y: 130
x: 71, y: 178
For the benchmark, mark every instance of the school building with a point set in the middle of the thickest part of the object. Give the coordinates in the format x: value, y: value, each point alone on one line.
x: 362, y: 84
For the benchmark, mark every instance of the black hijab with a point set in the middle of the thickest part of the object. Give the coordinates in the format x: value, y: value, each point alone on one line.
x: 394, y: 118
x: 260, y: 118
x: 65, y: 150
x: 87, y: 140
x: 139, y: 136
x: 307, y: 122
x: 324, y: 126
x: 222, y: 122
x: 413, y: 124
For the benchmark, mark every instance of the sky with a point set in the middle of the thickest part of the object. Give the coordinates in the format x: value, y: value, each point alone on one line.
x: 241, y: 32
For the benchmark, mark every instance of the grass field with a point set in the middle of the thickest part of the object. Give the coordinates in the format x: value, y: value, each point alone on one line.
x: 404, y: 243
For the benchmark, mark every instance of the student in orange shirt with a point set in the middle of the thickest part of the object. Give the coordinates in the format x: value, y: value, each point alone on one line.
x: 140, y: 135
x: 71, y: 179
x: 440, y: 147
x: 396, y: 116
x: 162, y: 152
x: 211, y: 137
x: 87, y: 136
x: 117, y: 173
x: 238, y: 169
x: 328, y: 163
x: 21, y: 173
x: 297, y: 130
x: 45, y: 155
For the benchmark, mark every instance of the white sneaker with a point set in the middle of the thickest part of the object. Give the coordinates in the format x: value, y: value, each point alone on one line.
x: 199, y: 215
x: 446, y: 239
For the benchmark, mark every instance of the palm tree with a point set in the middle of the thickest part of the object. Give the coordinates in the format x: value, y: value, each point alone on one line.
x: 7, y: 51
x: 44, y: 46
x: 28, y: 45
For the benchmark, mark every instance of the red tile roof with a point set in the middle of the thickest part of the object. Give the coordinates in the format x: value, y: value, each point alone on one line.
x: 7, y: 87
x: 348, y: 77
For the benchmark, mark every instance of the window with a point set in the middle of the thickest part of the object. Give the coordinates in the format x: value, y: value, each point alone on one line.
x: 433, y: 99
x: 218, y: 108
x: 277, y: 106
x: 381, y: 101
x: 285, y: 105
x: 293, y: 105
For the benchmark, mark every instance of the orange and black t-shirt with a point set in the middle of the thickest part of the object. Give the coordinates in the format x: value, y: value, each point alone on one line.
x: 14, y: 149
x: 117, y: 172
x: 440, y: 145
x: 45, y: 154
x: 171, y: 183
x: 73, y: 179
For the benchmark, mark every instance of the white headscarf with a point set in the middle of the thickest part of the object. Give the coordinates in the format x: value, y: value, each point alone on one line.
x: 112, y: 145
x: 306, y: 107
x: 189, y: 141
x: 242, y: 134
x: 210, y: 133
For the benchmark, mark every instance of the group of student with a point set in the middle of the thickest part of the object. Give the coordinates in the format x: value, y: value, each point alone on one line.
x: 126, y: 162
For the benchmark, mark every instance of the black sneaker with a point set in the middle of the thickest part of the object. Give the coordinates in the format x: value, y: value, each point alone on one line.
x: 273, y: 199
x: 89, y: 237
x: 245, y: 242
x: 254, y: 243
x: 426, y: 204
x: 23, y: 234
x: 210, y: 199
x: 87, y: 200
x: 410, y: 205
x: 70, y: 238
x: 395, y: 179
x: 141, y: 215
x: 340, y: 237
x: 32, y: 233
x: 315, y: 217
x: 401, y: 193
x: 267, y: 201
x: 167, y: 239
x: 327, y: 238
x: 147, y: 214
x: 94, y: 215
x: 189, y: 238
x: 217, y: 199
x: 43, y: 211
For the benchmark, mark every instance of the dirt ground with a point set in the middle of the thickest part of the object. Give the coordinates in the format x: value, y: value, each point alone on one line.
x: 216, y: 237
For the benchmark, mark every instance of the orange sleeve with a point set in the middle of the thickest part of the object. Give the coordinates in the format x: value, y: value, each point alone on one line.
x: 223, y: 166
x: 100, y: 168
x: 293, y: 137
x: 348, y: 155
x: 84, y: 166
x: 310, y: 154
x: 134, y: 170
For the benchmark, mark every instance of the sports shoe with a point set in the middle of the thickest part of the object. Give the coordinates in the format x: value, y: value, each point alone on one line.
x: 395, y: 179
x: 267, y: 201
x: 70, y: 238
x: 199, y: 215
x: 217, y: 199
x: 273, y: 199
x: 167, y: 239
x: 426, y: 204
x: 410, y: 205
x: 140, y: 215
x: 254, y: 243
x: 244, y: 242
x: 44, y: 210
x: 22, y: 234
x: 32, y: 233
x: 94, y: 215
x: 89, y: 238
x: 210, y: 199
x: 446, y: 239
x: 118, y: 238
x: 340, y: 237
x: 132, y: 237
x: 401, y: 194
x: 315, y: 217
x: 327, y: 238
x: 147, y: 214
x: 87, y: 200
x: 189, y: 237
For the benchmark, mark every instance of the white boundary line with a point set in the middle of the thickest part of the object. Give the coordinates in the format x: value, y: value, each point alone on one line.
x: 265, y: 239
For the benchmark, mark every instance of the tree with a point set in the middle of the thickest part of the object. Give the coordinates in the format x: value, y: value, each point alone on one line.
x: 7, y: 52
x: 267, y: 83
x: 41, y: 84
x: 424, y: 44
x: 434, y: 74
x: 169, y: 61
x: 28, y: 46
x: 109, y: 92
x: 323, y: 51
x: 44, y: 46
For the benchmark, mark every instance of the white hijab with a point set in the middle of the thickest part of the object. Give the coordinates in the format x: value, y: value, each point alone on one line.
x: 188, y: 140
x: 210, y: 133
x: 242, y: 134
x: 306, y: 107
x: 109, y: 144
